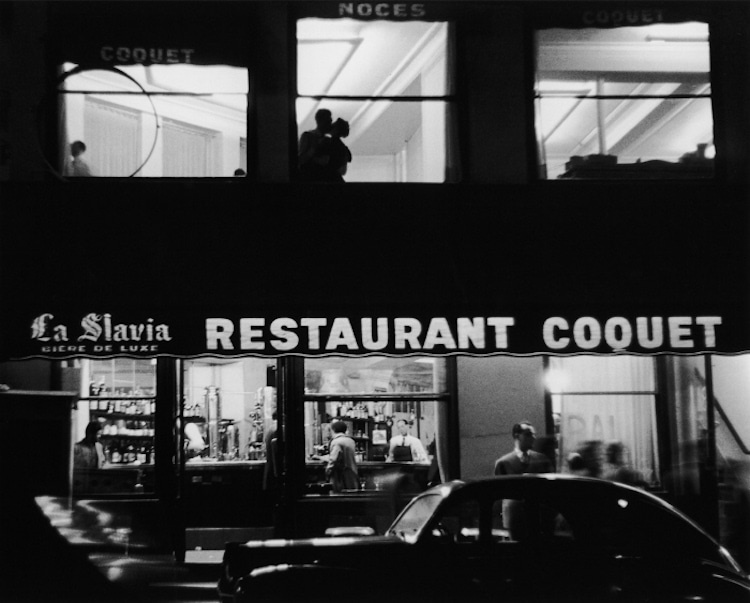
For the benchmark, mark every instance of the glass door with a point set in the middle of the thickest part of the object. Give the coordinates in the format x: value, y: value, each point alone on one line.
x: 226, y: 427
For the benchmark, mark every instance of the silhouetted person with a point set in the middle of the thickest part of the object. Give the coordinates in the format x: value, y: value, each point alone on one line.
x: 77, y: 167
x: 339, y: 156
x: 310, y: 163
x: 240, y: 172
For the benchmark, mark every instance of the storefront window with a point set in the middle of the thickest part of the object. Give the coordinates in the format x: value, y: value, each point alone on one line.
x: 626, y: 102
x: 114, y: 451
x: 394, y: 409
x: 171, y: 121
x: 605, y: 410
x: 229, y: 409
x: 392, y: 83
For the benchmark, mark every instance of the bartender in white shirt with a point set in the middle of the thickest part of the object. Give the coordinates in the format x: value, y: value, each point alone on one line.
x: 405, y: 447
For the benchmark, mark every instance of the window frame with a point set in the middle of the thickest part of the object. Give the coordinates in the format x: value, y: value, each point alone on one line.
x: 571, y: 18
x: 450, y: 101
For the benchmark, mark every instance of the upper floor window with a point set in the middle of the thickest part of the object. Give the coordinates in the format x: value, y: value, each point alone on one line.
x: 153, y: 120
x: 624, y: 102
x: 391, y: 82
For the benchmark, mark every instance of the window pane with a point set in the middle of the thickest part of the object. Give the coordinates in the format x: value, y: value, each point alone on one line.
x: 114, y: 449
x: 390, y: 141
x: 630, y: 102
x: 377, y: 428
x: 155, y: 121
x: 359, y: 71
x: 601, y: 402
x: 395, y: 440
x: 581, y: 374
x: 346, y: 57
x: 229, y: 409
x: 374, y: 375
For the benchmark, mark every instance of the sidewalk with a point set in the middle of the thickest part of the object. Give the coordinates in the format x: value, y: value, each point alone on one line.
x: 47, y: 559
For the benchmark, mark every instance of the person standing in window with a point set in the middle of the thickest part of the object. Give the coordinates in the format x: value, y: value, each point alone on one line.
x: 523, y: 459
x: 338, y: 154
x: 89, y: 452
x: 77, y: 167
x: 405, y: 447
x: 309, y: 161
x: 341, y: 469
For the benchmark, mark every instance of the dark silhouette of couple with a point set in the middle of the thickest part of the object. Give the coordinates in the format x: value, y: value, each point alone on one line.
x: 323, y: 157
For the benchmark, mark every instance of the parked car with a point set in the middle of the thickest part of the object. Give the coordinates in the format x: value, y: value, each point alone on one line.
x: 512, y: 538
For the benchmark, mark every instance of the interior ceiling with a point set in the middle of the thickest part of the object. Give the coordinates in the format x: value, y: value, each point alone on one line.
x: 356, y: 58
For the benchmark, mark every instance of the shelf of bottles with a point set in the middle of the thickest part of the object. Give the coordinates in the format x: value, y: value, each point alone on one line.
x: 127, y: 420
x: 369, y: 427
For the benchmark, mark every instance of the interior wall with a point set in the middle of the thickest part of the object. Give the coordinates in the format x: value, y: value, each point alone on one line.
x: 493, y: 394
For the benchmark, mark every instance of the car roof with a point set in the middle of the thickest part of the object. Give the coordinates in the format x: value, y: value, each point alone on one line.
x: 560, y: 482
x: 556, y: 484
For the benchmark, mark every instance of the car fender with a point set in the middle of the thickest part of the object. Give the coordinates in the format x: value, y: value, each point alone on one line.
x: 293, y: 583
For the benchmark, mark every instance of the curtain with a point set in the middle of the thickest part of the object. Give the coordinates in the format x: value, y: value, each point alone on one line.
x: 113, y: 139
x: 609, y: 399
x: 188, y: 151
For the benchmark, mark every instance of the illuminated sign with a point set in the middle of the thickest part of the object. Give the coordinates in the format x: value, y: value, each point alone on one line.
x: 476, y: 334
x: 622, y: 17
x: 146, y: 56
x: 98, y: 333
x: 382, y: 10
x: 104, y: 334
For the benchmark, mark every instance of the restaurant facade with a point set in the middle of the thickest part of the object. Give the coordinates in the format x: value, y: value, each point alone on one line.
x: 544, y: 218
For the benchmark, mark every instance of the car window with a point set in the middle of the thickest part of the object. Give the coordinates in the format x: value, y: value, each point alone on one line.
x: 460, y: 521
x: 415, y: 516
x: 516, y: 519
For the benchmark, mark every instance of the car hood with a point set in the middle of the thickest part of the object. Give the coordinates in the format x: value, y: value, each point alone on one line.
x: 241, y: 558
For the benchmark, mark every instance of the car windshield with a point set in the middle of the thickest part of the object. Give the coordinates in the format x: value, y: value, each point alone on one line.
x: 415, y: 516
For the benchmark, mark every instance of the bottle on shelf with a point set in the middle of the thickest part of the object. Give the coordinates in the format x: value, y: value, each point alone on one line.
x: 115, y: 454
